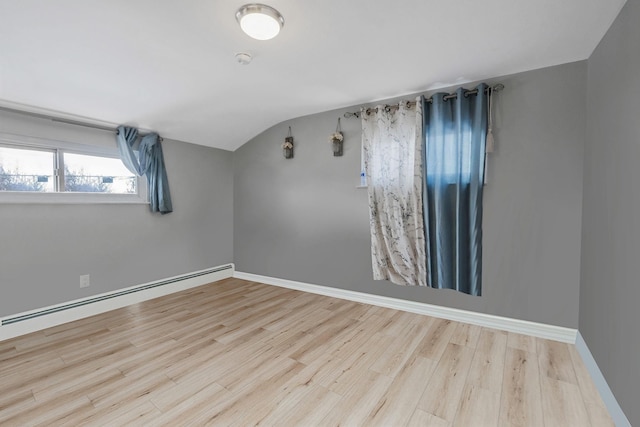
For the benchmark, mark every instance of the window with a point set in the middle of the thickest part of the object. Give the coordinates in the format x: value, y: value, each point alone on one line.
x: 454, y: 152
x: 96, y: 174
x: 46, y: 172
x: 26, y: 170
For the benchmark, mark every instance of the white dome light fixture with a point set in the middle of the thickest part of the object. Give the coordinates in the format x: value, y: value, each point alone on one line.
x: 259, y: 21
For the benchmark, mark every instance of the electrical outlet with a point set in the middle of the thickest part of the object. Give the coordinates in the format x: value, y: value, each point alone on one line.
x: 85, y: 281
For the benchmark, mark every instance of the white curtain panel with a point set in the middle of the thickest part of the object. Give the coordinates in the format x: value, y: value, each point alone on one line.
x: 392, y: 148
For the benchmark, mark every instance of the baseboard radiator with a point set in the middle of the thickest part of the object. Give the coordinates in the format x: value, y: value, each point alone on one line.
x: 93, y: 300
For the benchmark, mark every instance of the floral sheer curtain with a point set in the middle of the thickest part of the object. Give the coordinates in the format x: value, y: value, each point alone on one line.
x: 392, y: 148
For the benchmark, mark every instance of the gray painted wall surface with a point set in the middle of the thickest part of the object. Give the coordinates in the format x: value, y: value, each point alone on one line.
x: 303, y: 219
x: 45, y: 248
x: 610, y: 288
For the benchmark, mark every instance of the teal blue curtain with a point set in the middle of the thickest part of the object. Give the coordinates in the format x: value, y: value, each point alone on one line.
x: 148, y: 160
x: 454, y: 140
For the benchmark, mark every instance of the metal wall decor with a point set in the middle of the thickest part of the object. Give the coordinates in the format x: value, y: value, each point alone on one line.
x: 336, y: 139
x: 287, y: 147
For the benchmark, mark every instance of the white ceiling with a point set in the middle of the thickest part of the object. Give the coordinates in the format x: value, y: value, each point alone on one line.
x: 169, y: 65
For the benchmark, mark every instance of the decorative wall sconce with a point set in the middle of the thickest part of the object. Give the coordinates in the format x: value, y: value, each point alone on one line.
x: 336, y: 139
x: 287, y: 147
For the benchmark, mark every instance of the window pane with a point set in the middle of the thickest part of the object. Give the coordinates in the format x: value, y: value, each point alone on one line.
x: 94, y: 174
x: 26, y: 170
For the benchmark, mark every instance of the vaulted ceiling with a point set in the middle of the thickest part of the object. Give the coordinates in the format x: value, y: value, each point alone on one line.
x: 169, y: 65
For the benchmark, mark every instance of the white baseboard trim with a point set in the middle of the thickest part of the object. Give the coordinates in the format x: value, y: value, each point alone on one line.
x: 619, y: 418
x: 87, y: 307
x: 541, y: 330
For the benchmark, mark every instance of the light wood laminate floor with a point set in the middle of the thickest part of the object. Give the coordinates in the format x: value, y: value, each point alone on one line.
x: 238, y: 353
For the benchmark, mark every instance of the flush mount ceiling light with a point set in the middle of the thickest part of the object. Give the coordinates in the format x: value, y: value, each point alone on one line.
x: 259, y: 21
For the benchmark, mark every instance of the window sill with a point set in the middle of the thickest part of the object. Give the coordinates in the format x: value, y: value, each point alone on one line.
x: 362, y: 186
x: 70, y: 198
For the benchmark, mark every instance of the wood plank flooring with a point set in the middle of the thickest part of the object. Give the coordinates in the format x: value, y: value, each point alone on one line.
x: 238, y: 353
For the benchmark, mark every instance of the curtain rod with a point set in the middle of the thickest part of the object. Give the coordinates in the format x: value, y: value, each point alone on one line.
x: 68, y: 121
x: 496, y: 88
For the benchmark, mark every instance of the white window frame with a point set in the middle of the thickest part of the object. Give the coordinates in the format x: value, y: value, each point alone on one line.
x: 61, y: 197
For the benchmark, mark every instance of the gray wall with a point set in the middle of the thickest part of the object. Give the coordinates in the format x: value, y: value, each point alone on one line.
x: 610, y: 288
x: 303, y: 219
x: 45, y: 248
